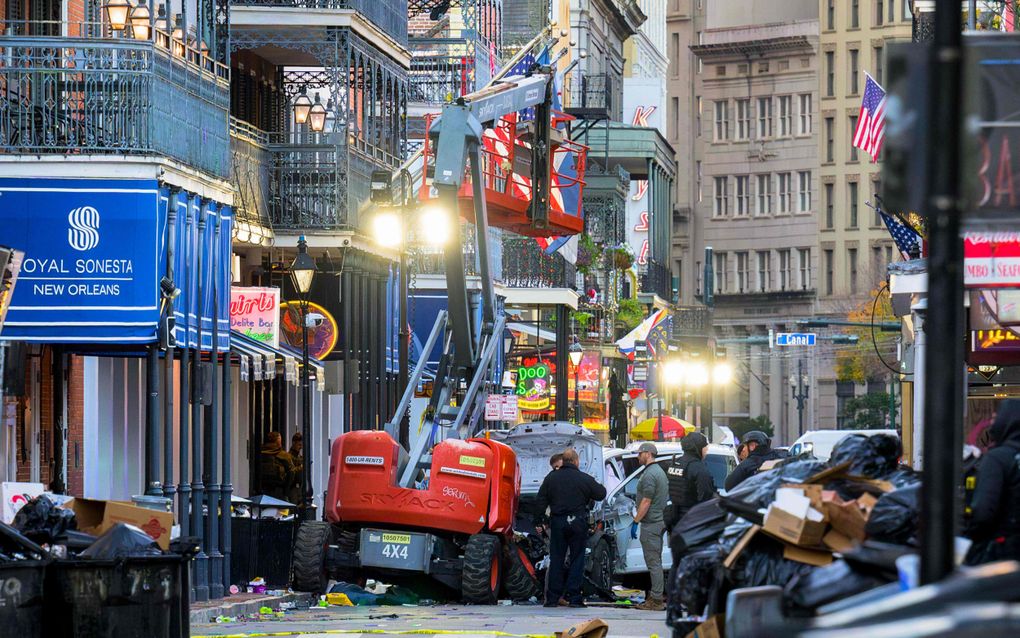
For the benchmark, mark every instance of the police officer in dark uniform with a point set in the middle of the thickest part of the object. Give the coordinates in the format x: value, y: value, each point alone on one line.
x: 759, y: 450
x: 690, y: 482
x: 568, y: 493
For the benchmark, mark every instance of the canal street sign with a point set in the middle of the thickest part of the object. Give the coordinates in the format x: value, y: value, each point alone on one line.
x: 795, y: 338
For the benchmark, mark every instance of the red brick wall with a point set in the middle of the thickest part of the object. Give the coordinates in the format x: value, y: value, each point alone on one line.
x: 76, y: 427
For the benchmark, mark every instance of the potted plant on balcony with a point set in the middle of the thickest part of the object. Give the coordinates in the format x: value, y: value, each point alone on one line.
x: 620, y: 257
x: 630, y: 313
x: 582, y: 319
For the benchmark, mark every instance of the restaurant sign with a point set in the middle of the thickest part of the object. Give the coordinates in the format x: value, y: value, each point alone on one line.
x: 256, y: 313
x: 991, y: 259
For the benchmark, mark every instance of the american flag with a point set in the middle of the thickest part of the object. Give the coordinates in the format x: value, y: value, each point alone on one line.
x: 907, y: 239
x: 871, y: 121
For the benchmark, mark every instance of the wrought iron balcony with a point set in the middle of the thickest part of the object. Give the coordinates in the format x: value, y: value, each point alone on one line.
x: 98, y: 94
x: 594, y: 96
x: 308, y: 180
x: 657, y: 280
x: 525, y: 265
x: 389, y: 15
x: 692, y: 321
x: 437, y: 78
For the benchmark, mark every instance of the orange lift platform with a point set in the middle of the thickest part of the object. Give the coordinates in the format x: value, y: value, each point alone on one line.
x: 507, y: 170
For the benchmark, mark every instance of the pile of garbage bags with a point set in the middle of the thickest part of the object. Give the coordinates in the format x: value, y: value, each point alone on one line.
x: 821, y: 530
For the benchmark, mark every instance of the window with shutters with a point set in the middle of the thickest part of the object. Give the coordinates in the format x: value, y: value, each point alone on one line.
x: 785, y: 269
x: 805, y: 114
x: 721, y: 273
x: 743, y: 183
x: 721, y: 207
x: 785, y: 192
x: 764, y: 271
x: 804, y: 190
x: 804, y: 257
x: 743, y: 119
x: 743, y: 272
x: 764, y: 118
x: 722, y: 121
x: 785, y: 115
x: 764, y: 194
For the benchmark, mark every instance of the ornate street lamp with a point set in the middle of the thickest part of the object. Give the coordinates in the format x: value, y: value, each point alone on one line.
x: 302, y: 271
x: 140, y: 21
x: 576, y: 354
x: 317, y: 116
x: 302, y: 106
x: 117, y: 13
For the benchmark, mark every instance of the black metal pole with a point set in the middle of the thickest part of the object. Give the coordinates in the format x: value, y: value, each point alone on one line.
x: 152, y: 409
x: 201, y: 565
x: 577, y: 396
x: 801, y: 397
x: 562, y: 350
x: 404, y: 360
x: 943, y: 400
x: 168, y: 358
x: 306, y: 417
x: 57, y: 364
x: 212, y: 426
x: 226, y: 489
x: 184, y: 488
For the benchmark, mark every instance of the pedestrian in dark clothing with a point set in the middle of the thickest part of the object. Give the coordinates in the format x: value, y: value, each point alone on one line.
x: 690, y: 482
x: 296, y: 493
x: 759, y: 449
x: 276, y: 467
x: 568, y: 493
x: 994, y: 523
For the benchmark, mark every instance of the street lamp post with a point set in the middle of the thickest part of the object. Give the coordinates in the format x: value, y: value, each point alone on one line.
x: 576, y: 354
x: 800, y: 386
x: 302, y: 271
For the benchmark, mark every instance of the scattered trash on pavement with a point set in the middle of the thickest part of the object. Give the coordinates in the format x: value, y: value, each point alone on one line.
x: 594, y: 628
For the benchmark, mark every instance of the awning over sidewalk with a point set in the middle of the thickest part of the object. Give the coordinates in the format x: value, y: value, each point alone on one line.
x: 261, y: 361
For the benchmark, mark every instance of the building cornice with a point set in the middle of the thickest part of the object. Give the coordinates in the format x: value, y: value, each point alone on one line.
x: 753, y: 47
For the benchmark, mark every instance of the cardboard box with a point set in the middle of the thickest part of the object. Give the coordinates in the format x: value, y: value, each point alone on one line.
x: 95, y: 517
x: 594, y: 628
x: 769, y: 465
x: 15, y: 495
x: 793, y: 529
x: 837, y: 541
x: 847, y: 518
x: 867, y: 503
x: 714, y: 627
x: 816, y: 557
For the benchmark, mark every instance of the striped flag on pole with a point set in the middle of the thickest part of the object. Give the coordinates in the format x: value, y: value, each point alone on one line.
x: 871, y: 120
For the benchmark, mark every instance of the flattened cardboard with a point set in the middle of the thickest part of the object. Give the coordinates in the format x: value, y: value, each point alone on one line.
x: 867, y: 503
x: 711, y: 628
x: 837, y: 541
x: 769, y: 465
x: 594, y: 628
x: 792, y: 529
x: 740, y: 546
x: 815, y: 557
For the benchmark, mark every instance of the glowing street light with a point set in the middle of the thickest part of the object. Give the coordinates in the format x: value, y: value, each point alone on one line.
x: 722, y: 373
x: 388, y: 229
x: 435, y: 226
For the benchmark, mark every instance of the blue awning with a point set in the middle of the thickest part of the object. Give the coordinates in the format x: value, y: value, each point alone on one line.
x: 95, y: 252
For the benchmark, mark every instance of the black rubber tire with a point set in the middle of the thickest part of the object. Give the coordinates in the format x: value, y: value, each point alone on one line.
x: 308, y: 573
x: 519, y: 579
x: 482, y: 574
x: 599, y: 570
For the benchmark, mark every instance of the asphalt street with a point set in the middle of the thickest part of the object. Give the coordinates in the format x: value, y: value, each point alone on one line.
x: 442, y: 620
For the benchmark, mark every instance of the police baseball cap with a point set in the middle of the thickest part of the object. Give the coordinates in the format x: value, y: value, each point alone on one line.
x: 648, y: 447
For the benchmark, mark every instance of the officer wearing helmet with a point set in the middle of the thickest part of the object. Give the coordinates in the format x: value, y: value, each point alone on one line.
x: 690, y: 482
x: 759, y: 449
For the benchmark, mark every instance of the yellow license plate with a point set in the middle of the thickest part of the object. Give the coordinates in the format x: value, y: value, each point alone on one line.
x: 403, y: 539
x: 475, y: 461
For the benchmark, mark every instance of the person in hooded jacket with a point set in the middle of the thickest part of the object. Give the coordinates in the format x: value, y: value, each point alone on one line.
x: 994, y: 524
x: 759, y: 450
x: 690, y: 482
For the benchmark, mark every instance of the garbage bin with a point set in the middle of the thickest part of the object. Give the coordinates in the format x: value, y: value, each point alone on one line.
x: 143, y: 596
x: 261, y: 547
x: 21, y: 598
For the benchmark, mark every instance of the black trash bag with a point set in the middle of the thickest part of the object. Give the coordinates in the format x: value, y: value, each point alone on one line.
x: 16, y: 546
x: 699, y: 527
x: 120, y: 541
x: 877, y: 559
x: 760, y: 490
x: 904, y: 477
x: 762, y: 563
x: 894, y: 517
x: 694, y: 579
x: 43, y: 522
x: 869, y: 456
x: 838, y: 580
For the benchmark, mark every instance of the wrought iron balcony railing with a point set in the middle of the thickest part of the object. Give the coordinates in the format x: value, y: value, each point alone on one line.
x: 594, y: 96
x: 437, y: 79
x: 525, y: 265
x: 389, y: 15
x: 307, y: 180
x: 95, y: 94
x: 657, y: 280
x: 692, y: 321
